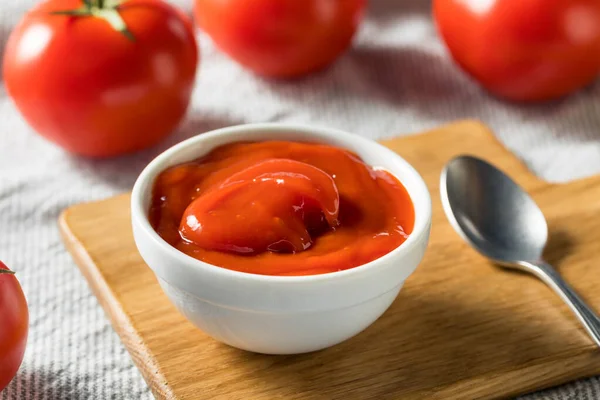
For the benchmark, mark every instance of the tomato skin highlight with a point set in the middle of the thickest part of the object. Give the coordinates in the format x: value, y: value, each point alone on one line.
x: 86, y: 87
x: 281, y: 38
x: 14, y: 326
x: 525, y: 50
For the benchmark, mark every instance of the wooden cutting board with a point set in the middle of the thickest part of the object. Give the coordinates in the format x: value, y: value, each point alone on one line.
x: 460, y: 329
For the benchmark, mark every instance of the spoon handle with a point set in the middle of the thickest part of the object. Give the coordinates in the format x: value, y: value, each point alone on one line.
x: 586, y: 315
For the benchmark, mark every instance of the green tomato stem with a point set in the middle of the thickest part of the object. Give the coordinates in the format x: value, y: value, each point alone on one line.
x: 103, y: 9
x: 112, y: 16
x: 6, y: 271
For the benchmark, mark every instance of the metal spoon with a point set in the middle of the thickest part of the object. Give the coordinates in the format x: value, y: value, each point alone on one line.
x: 499, y: 219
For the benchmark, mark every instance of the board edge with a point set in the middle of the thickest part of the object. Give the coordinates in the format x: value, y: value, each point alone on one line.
x: 476, y: 127
x: 584, y: 365
x: 141, y: 356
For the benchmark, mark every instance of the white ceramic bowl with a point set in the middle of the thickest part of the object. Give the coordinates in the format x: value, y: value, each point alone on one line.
x: 271, y: 314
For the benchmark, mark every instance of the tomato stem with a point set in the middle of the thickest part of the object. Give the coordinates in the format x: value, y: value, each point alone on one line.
x: 6, y: 271
x: 104, y: 9
x: 114, y: 19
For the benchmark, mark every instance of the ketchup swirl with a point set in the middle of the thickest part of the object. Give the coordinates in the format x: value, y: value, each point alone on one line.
x: 281, y: 208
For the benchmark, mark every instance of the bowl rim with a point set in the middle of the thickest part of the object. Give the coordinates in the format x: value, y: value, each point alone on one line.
x: 145, y: 180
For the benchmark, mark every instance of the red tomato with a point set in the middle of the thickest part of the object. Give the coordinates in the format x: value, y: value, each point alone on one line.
x: 524, y: 50
x: 281, y: 38
x: 92, y: 89
x: 14, y: 322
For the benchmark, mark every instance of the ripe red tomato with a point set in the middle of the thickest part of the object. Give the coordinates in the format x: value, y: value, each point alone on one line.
x: 14, y: 322
x: 281, y: 38
x: 524, y: 50
x: 94, y: 90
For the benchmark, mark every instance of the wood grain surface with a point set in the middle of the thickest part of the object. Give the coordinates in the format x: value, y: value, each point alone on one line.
x: 460, y: 329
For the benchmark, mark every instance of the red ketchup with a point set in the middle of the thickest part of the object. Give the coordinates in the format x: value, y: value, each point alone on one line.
x: 281, y: 208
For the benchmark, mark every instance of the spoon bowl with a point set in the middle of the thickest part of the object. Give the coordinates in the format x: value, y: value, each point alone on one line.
x: 492, y: 212
x: 502, y: 222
